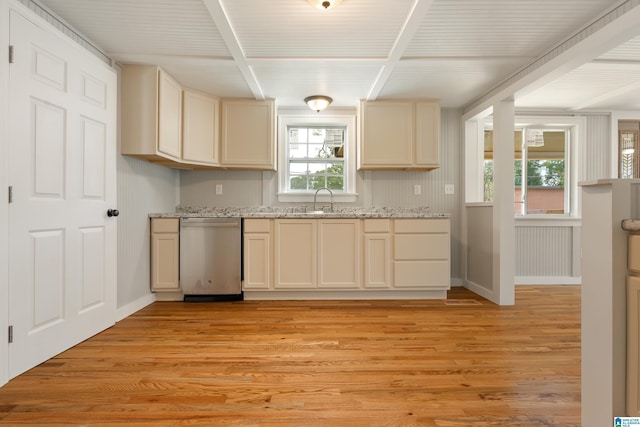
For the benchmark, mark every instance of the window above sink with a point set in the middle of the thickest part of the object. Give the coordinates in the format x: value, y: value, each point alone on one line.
x: 316, y: 152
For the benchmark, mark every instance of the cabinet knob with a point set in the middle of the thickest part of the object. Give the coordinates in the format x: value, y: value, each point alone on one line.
x: 112, y: 212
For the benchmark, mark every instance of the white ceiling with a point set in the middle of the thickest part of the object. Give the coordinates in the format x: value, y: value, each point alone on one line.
x: 452, y: 50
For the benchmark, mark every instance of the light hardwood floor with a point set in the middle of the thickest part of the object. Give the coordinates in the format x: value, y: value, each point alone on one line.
x: 464, y: 362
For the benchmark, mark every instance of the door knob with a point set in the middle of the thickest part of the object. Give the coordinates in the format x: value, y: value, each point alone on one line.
x: 112, y: 212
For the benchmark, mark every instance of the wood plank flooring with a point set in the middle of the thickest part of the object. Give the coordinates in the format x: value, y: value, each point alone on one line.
x: 465, y: 362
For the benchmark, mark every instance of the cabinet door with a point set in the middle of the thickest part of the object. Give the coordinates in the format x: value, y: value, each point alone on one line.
x: 339, y: 261
x: 165, y: 254
x: 200, y: 128
x: 428, y: 134
x: 169, y: 116
x: 386, y: 134
x: 377, y: 260
x: 295, y: 254
x: 248, y: 134
x: 257, y: 266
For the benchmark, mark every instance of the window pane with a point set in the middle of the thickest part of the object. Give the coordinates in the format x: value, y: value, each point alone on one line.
x: 488, y: 181
x: 545, y: 189
x: 546, y: 174
x: 315, y: 144
x: 298, y: 182
x: 335, y: 182
x: 298, y: 151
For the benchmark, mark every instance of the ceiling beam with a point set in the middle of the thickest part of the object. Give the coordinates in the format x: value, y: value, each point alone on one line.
x: 411, y: 25
x: 607, y: 32
x: 223, y: 25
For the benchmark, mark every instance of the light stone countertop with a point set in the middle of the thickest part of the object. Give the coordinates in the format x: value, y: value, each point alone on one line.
x: 298, y: 212
x: 630, y: 224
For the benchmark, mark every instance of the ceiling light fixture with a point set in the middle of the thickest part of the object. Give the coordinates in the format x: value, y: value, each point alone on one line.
x: 324, y: 4
x: 318, y: 102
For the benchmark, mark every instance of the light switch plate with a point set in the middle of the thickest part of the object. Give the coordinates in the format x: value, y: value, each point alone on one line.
x: 417, y: 189
x: 218, y: 189
x: 449, y: 189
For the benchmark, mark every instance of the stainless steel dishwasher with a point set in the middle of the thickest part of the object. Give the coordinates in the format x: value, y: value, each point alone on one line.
x: 211, y: 259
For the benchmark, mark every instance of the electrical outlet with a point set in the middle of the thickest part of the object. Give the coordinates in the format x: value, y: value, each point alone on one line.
x: 218, y: 189
x: 417, y: 189
x: 449, y: 189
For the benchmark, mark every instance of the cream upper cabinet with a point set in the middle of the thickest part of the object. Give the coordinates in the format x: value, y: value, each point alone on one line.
x: 169, y: 116
x: 339, y: 259
x: 151, y: 114
x: 399, y: 135
x: 248, y: 134
x: 257, y: 254
x: 295, y: 254
x: 427, y: 119
x: 165, y: 250
x: 200, y: 128
x: 386, y: 134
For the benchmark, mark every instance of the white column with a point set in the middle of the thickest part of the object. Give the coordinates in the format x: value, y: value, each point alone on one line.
x: 503, y: 201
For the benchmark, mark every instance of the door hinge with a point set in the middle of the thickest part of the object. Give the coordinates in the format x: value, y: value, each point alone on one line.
x: 10, y: 54
x: 11, y: 194
x: 10, y: 334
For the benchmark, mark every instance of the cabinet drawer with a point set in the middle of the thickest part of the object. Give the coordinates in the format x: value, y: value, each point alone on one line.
x: 421, y: 246
x: 256, y: 225
x: 421, y: 225
x: 376, y: 225
x: 419, y: 274
x: 165, y: 225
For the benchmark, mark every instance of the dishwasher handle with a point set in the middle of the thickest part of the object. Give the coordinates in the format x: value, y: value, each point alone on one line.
x: 209, y: 222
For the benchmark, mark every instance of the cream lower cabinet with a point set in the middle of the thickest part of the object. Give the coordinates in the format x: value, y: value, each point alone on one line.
x: 257, y: 254
x: 339, y: 260
x: 314, y: 253
x: 383, y: 255
x: 421, y: 253
x: 377, y: 253
x: 165, y: 254
x: 295, y: 254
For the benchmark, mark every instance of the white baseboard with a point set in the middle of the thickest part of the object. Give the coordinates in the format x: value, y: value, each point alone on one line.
x: 477, y: 289
x: 255, y: 295
x: 456, y: 282
x: 132, y: 307
x: 547, y: 280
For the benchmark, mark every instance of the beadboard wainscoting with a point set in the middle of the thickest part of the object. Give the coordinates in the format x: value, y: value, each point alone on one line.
x: 548, y: 252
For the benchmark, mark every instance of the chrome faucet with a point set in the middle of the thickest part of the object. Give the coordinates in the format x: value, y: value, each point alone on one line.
x: 316, y: 195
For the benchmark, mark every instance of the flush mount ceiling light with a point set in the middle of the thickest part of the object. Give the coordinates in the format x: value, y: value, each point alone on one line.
x: 324, y: 4
x: 318, y: 102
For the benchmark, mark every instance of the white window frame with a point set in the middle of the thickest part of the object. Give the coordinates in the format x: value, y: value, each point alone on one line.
x: 349, y: 122
x: 574, y: 161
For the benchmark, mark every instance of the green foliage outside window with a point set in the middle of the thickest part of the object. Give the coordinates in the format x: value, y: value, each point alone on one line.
x: 331, y: 177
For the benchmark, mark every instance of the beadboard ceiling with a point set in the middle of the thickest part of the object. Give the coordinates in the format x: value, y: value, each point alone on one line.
x: 452, y: 50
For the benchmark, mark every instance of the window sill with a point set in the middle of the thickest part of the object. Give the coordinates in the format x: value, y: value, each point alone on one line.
x: 322, y: 197
x: 548, y: 220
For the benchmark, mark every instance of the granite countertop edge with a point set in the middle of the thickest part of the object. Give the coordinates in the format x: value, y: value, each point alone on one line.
x: 278, y: 213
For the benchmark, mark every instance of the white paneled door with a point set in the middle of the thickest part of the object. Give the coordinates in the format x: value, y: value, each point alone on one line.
x: 62, y: 259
